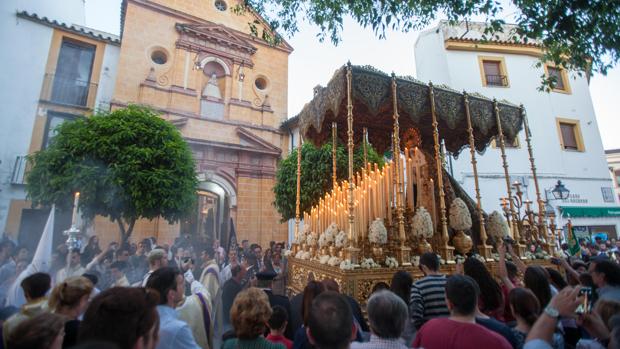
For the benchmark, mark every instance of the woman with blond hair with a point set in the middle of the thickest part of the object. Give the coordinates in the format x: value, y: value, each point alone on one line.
x: 70, y: 299
x: 248, y: 315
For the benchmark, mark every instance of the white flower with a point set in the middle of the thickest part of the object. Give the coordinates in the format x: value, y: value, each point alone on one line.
x: 334, y: 261
x: 391, y: 262
x: 479, y: 257
x: 324, y: 259
x: 459, y: 259
x: 287, y: 253
x: 330, y: 233
x: 346, y: 265
x: 369, y: 263
x: 322, y: 242
x: 415, y: 260
x: 497, y: 226
x: 311, y: 239
x: 378, y: 233
x: 299, y: 254
x: 301, y: 236
x: 460, y: 219
x: 305, y: 255
x: 341, y: 239
x: 422, y: 224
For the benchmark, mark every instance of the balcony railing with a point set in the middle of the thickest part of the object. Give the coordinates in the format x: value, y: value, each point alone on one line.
x: 19, y: 170
x: 68, y: 91
x: 496, y: 80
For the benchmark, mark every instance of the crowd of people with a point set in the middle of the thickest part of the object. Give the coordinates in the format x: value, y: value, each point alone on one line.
x: 197, y: 295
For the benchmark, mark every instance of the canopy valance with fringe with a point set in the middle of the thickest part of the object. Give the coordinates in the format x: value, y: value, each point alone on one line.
x: 371, y: 93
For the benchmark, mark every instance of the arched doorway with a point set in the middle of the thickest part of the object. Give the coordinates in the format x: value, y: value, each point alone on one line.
x: 211, y: 217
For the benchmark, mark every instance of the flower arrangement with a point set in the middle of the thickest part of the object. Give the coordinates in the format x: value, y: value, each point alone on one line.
x: 422, y: 224
x: 441, y: 260
x: 287, y: 253
x: 324, y: 259
x: 299, y: 254
x: 305, y: 255
x: 391, y: 262
x: 346, y: 265
x: 368, y: 263
x: 334, y: 261
x: 497, y: 226
x: 479, y: 257
x: 530, y: 255
x: 322, y: 242
x: 459, y: 259
x: 460, y: 219
x: 301, y: 238
x: 341, y: 239
x: 378, y: 233
x: 311, y: 239
x: 415, y: 260
x: 330, y: 233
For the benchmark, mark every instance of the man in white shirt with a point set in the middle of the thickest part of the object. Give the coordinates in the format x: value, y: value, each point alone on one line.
x: 157, y: 259
x: 74, y: 268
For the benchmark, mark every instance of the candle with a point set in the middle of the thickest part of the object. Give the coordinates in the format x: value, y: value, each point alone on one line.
x: 433, y: 202
x: 76, y: 200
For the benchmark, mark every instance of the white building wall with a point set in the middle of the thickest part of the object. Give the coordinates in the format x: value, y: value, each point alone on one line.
x: 107, y: 78
x: 583, y: 173
x: 24, y: 47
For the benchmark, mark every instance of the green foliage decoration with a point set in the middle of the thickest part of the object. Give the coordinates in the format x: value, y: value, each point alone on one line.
x: 316, y: 175
x: 582, y: 36
x: 127, y: 164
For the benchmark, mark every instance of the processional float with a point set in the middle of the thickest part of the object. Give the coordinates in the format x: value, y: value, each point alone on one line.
x: 380, y: 218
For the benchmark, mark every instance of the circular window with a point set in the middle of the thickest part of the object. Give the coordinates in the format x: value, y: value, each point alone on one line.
x: 261, y: 83
x: 221, y: 5
x: 159, y: 57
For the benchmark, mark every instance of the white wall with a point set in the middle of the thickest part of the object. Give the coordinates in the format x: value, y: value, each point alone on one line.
x: 107, y: 78
x: 24, y: 47
x: 583, y: 173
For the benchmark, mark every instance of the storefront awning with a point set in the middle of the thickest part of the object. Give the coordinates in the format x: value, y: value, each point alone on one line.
x: 590, y: 211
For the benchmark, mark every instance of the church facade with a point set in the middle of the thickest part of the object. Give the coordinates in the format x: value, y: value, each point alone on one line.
x: 197, y: 64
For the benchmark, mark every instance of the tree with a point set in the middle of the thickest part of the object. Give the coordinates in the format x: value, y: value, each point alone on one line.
x: 316, y: 175
x: 126, y: 164
x: 579, y: 35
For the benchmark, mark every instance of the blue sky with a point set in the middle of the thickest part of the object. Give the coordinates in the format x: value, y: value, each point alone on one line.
x: 313, y: 62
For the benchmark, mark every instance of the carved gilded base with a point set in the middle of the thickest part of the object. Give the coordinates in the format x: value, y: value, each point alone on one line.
x: 358, y: 283
x: 520, y: 250
x: 403, y: 255
x: 352, y: 254
x: 447, y: 254
x: 486, y: 251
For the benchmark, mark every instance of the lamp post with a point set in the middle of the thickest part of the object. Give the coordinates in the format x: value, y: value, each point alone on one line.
x: 559, y: 192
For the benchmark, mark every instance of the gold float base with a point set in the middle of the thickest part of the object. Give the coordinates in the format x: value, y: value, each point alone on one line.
x: 358, y: 283
x: 486, y: 251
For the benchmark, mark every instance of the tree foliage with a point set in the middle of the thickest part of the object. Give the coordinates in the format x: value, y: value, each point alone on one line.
x: 316, y: 175
x: 126, y: 164
x: 578, y: 35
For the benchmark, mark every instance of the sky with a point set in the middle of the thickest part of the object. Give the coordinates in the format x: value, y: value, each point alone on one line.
x: 313, y: 63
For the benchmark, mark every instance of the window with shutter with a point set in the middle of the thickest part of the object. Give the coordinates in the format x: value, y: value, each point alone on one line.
x: 569, y: 140
x: 558, y: 78
x: 493, y: 71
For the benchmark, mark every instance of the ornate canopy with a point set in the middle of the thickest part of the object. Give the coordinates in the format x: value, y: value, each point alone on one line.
x: 372, y: 99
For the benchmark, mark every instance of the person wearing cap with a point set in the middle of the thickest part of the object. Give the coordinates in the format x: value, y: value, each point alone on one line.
x: 264, y: 281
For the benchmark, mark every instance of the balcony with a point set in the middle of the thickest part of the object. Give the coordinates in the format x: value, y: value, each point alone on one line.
x: 19, y: 171
x: 496, y: 80
x: 68, y: 91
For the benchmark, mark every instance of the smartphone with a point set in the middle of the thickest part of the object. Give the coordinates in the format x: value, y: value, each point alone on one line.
x: 586, y: 304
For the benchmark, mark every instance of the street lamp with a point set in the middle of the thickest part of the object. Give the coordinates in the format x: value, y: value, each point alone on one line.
x: 560, y: 192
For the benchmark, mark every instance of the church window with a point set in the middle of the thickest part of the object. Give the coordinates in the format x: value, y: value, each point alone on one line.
x: 221, y: 5
x: 159, y: 57
x: 261, y: 83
